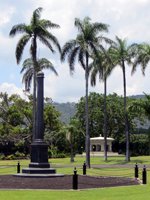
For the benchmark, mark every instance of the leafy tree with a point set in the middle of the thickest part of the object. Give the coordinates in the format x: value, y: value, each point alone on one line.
x: 16, y: 125
x: 36, y: 30
x: 87, y: 42
x: 53, y: 135
x: 146, y: 105
x: 74, y: 136
x: 115, y: 116
x: 15, y: 122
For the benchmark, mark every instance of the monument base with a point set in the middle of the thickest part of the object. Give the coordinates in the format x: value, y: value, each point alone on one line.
x: 39, y: 165
x: 39, y: 154
x: 39, y: 171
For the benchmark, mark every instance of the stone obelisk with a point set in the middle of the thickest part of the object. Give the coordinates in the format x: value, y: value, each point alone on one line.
x: 39, y: 149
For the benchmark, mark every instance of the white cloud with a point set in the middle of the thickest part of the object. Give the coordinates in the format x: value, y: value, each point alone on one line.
x: 6, y: 14
x: 65, y: 87
x: 11, y: 88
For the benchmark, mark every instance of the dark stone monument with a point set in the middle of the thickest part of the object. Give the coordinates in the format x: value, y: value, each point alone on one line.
x: 39, y: 164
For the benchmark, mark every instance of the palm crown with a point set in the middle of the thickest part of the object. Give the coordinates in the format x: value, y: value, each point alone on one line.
x: 28, y: 70
x: 37, y: 29
x: 87, y: 42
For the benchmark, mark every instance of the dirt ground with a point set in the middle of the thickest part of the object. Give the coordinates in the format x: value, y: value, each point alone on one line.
x: 65, y: 182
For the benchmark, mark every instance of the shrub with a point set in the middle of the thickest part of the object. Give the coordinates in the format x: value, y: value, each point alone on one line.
x: 2, y: 156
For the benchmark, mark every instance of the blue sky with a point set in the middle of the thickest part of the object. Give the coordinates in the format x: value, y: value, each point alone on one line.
x: 127, y: 19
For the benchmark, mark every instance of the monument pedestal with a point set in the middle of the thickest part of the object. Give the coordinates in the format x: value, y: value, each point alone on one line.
x: 39, y: 159
x: 39, y: 155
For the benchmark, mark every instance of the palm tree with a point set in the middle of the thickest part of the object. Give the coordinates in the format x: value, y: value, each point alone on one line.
x: 37, y: 29
x: 28, y: 70
x: 87, y: 42
x: 142, y: 57
x: 121, y: 55
x: 102, y: 66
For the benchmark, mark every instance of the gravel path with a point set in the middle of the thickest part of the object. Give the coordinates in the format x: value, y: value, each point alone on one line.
x: 84, y: 182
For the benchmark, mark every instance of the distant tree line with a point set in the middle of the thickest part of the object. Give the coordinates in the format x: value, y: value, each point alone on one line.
x: 68, y: 139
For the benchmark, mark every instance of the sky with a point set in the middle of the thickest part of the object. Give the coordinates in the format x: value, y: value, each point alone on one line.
x: 126, y: 19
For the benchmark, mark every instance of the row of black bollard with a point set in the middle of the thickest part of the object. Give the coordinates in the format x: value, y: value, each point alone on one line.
x: 144, y: 173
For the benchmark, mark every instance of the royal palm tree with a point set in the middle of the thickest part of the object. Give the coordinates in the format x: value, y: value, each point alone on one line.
x: 36, y: 30
x: 122, y: 54
x: 102, y: 67
x: 142, y: 57
x: 28, y: 70
x: 87, y: 42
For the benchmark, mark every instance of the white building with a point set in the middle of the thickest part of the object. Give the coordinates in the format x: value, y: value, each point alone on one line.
x: 97, y: 144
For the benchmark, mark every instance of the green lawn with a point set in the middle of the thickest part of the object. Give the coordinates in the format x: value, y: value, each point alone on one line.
x: 118, y: 193
x: 140, y: 192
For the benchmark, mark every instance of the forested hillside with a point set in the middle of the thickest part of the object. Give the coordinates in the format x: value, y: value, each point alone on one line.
x: 67, y: 110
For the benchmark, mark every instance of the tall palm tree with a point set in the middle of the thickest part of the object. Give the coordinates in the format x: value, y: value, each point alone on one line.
x: 36, y: 30
x: 122, y: 54
x: 87, y: 42
x: 102, y: 67
x: 28, y: 70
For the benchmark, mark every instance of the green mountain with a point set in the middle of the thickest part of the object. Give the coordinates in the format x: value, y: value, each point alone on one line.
x: 67, y: 110
x: 140, y: 96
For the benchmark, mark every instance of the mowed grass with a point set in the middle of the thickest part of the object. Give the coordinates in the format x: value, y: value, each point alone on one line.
x: 140, y: 192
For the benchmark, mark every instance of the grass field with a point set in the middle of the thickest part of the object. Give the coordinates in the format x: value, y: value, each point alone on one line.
x: 140, y: 192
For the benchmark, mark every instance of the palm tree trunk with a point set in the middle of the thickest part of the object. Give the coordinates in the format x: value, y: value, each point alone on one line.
x: 126, y: 116
x: 87, y: 140
x: 105, y: 120
x: 72, y: 151
x: 33, y: 52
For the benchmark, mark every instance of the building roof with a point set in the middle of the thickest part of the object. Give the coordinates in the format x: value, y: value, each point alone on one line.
x: 101, y: 138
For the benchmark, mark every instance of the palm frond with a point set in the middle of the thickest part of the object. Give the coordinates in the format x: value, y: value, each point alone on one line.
x: 93, y: 75
x: 81, y: 58
x: 27, y: 78
x: 100, y: 27
x: 36, y: 15
x: 72, y: 57
x: 46, y: 42
x: 48, y: 24
x: 27, y: 64
x: 20, y: 47
x: 52, y: 39
x: 46, y: 64
x: 81, y: 24
x: 67, y: 48
x: 19, y: 28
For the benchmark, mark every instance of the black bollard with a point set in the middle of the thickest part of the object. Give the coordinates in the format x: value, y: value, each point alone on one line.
x: 84, y: 168
x: 75, y: 180
x: 136, y: 170
x: 18, y: 167
x: 144, y: 175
